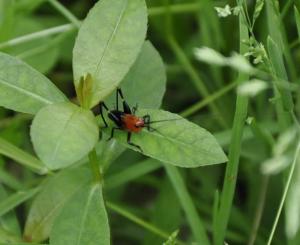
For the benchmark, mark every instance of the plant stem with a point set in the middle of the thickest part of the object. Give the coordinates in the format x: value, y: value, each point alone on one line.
x: 187, y: 204
x: 286, y: 188
x: 234, y: 150
x: 16, y: 199
x: 192, y: 73
x: 175, y: 9
x: 259, y: 210
x: 199, y: 105
x: 36, y: 35
x: 9, y: 150
x: 65, y: 12
x: 155, y: 230
x: 94, y: 164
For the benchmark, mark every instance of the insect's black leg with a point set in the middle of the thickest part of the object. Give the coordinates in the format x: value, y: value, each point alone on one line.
x: 112, y: 133
x: 126, y: 107
x: 146, y: 119
x: 134, y: 109
x: 101, y: 113
x: 130, y: 143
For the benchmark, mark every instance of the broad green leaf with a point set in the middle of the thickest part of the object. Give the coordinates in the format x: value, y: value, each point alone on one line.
x: 63, y: 133
x: 178, y: 142
x: 49, y: 202
x: 145, y: 83
x: 24, y: 89
x: 108, y: 43
x: 83, y: 220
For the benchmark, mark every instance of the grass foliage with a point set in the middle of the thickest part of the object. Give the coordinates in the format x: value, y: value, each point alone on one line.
x: 224, y: 168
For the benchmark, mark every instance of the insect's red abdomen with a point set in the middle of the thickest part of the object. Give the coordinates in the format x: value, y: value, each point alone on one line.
x: 132, y: 123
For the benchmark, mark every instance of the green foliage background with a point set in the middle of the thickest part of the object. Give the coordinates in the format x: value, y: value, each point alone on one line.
x: 251, y: 199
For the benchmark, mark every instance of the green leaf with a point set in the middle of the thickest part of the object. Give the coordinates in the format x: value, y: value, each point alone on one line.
x: 257, y: 10
x: 279, y: 71
x: 8, y: 222
x: 178, y: 142
x: 9, y: 150
x: 108, y: 43
x: 83, y: 220
x: 63, y: 133
x: 164, y: 217
x: 186, y: 201
x: 49, y: 202
x: 24, y: 89
x: 297, y: 17
x: 16, y: 199
x: 292, y: 205
x: 146, y: 77
x: 130, y: 173
x: 40, y: 53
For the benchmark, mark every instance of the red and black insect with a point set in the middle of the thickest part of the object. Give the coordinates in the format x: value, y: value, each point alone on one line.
x: 126, y: 120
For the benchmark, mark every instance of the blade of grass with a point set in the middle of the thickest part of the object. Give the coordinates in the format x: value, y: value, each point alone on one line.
x: 121, y: 211
x: 188, y: 66
x: 175, y: 9
x: 194, y: 220
x: 199, y: 105
x: 131, y: 173
x: 277, y: 33
x: 65, y: 12
x: 286, y: 188
x: 37, y: 35
x: 10, y: 180
x: 16, y: 199
x: 9, y: 150
x: 234, y: 150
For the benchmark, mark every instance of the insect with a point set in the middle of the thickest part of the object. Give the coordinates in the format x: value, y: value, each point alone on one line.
x: 126, y: 120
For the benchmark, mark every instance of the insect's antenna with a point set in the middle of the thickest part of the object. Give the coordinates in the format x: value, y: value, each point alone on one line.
x: 166, y: 120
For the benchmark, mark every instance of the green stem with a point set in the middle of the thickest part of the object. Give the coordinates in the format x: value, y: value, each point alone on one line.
x: 287, y: 185
x: 155, y: 230
x: 16, y: 199
x: 196, y: 107
x: 10, y: 180
x: 259, y: 211
x: 9, y: 150
x: 175, y: 9
x: 65, y: 12
x: 36, y: 35
x: 187, y: 204
x: 195, y: 78
x: 234, y: 151
x: 94, y: 164
x: 286, y: 8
